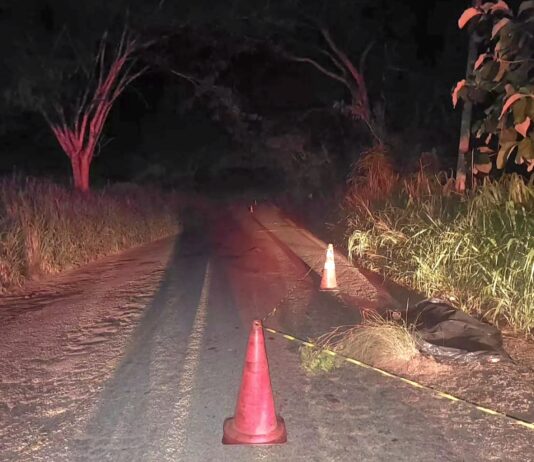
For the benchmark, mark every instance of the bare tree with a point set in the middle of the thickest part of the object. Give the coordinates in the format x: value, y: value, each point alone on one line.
x: 350, y: 75
x: 78, y: 127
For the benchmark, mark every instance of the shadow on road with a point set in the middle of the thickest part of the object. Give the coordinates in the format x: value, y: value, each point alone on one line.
x: 140, y: 392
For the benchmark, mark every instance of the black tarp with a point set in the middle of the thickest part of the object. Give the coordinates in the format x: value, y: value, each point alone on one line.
x: 448, y: 333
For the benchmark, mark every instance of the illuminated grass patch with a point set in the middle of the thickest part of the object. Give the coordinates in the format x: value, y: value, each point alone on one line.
x: 477, y: 249
x: 46, y: 228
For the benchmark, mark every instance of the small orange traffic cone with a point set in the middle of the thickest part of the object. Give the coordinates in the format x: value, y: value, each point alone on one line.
x: 255, y: 420
x: 328, y: 281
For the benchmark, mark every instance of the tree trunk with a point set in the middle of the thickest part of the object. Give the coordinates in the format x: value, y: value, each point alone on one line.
x: 463, y: 148
x: 80, y: 172
x: 361, y: 111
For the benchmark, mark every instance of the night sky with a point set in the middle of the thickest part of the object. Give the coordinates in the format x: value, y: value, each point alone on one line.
x: 161, y: 122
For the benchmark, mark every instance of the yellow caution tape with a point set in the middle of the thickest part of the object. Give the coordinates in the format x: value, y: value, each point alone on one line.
x: 438, y: 393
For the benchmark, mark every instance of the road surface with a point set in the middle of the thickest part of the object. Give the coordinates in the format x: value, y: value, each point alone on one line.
x: 138, y: 357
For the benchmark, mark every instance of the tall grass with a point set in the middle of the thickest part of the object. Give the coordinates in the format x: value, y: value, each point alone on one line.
x: 46, y: 228
x: 476, y: 249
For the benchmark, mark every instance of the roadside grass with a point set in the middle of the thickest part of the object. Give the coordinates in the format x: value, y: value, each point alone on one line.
x: 377, y: 341
x: 476, y: 249
x: 46, y: 228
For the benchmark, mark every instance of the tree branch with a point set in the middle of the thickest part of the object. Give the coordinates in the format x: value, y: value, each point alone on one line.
x: 342, y: 56
x: 363, y: 57
x: 325, y: 71
x: 357, y: 87
x: 336, y: 62
x: 127, y: 79
x: 189, y: 78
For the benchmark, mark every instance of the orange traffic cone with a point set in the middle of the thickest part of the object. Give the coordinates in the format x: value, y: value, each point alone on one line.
x: 328, y: 281
x: 255, y: 420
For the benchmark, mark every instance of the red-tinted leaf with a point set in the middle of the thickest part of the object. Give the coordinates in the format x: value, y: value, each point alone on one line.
x: 498, y: 26
x: 526, y: 148
x: 480, y: 60
x: 523, y: 127
x: 520, y: 110
x: 467, y: 15
x: 459, y: 86
x: 484, y: 168
x: 500, y: 6
x: 504, y: 151
x: 510, y: 101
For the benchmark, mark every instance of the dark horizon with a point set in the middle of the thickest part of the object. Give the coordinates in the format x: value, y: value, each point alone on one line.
x: 157, y: 124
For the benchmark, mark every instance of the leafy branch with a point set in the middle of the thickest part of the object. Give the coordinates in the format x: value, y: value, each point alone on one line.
x: 500, y: 83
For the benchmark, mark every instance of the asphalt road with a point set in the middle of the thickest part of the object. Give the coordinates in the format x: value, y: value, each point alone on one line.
x: 139, y: 358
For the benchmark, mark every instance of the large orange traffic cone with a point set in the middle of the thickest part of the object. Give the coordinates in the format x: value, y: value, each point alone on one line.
x: 255, y: 420
x: 328, y: 281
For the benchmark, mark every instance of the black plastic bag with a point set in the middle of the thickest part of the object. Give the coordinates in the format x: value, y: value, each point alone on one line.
x: 448, y: 333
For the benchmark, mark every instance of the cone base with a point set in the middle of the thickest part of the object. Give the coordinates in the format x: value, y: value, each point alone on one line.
x: 329, y: 289
x: 328, y: 286
x: 233, y: 436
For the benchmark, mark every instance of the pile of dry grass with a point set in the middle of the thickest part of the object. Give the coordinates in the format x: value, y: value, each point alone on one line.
x: 377, y: 341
